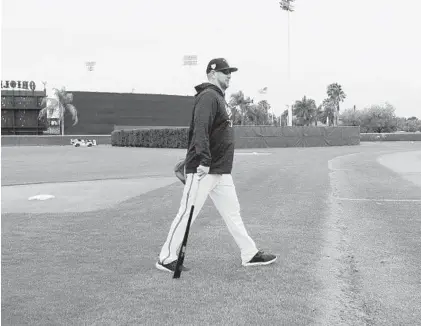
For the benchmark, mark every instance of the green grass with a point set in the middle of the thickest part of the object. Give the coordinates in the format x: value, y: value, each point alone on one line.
x: 97, y: 268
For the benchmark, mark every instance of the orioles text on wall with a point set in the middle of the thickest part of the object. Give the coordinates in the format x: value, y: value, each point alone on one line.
x: 18, y: 84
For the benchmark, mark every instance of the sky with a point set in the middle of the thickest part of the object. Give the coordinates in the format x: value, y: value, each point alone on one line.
x: 372, y: 48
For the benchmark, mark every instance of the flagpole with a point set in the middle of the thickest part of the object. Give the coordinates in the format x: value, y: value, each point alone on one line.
x: 264, y: 90
x: 289, y: 75
x: 289, y: 53
x: 287, y: 6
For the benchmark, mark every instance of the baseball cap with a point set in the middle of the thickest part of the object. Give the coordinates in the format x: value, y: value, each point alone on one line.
x: 219, y: 64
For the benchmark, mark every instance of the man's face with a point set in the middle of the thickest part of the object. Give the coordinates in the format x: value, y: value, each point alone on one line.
x: 223, y: 77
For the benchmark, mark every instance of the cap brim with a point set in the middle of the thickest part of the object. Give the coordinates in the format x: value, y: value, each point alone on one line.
x: 231, y: 69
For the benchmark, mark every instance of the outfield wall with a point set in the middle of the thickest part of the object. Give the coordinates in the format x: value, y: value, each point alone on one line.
x: 270, y: 136
x: 400, y: 136
x: 51, y: 140
x: 244, y: 139
x: 99, y: 112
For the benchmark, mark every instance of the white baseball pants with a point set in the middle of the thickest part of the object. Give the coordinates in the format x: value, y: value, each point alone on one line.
x: 221, y: 189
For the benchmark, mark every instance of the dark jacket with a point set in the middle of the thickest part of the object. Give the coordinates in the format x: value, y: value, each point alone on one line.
x: 211, y: 135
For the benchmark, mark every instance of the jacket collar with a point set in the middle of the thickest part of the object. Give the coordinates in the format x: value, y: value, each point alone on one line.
x: 204, y: 86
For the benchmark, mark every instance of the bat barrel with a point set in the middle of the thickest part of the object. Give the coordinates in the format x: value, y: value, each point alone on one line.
x: 182, y: 252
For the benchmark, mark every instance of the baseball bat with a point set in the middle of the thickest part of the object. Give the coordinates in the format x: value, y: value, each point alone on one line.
x: 182, y: 252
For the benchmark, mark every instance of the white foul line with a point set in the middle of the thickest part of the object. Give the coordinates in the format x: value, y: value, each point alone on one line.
x: 377, y: 200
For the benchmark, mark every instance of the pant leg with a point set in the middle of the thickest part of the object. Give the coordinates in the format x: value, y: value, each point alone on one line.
x: 224, y: 196
x: 196, y: 192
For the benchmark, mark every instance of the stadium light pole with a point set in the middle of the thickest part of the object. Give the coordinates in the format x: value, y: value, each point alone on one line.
x: 90, y: 66
x: 286, y: 5
x: 189, y: 61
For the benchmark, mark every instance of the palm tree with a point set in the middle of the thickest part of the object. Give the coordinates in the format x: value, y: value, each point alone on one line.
x: 61, y: 101
x: 265, y: 117
x: 328, y: 111
x: 252, y: 115
x: 284, y: 118
x: 235, y: 115
x: 239, y: 100
x: 319, y: 113
x: 305, y: 110
x: 337, y: 95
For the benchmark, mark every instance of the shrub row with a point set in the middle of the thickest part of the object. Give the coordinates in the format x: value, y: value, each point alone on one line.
x: 178, y: 137
x: 156, y: 138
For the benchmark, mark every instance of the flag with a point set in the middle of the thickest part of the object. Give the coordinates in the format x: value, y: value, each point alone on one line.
x: 263, y: 90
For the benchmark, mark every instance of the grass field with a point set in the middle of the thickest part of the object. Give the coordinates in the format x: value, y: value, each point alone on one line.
x: 345, y: 223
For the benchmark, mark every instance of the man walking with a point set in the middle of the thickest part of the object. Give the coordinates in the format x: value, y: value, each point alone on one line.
x: 208, y: 167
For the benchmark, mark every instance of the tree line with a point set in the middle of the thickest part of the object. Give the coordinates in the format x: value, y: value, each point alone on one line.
x: 376, y: 118
x: 379, y: 118
x: 305, y: 111
x: 245, y: 112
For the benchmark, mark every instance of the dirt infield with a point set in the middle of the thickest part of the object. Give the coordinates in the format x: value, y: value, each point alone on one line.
x: 407, y: 164
x: 82, y: 196
x: 344, y: 221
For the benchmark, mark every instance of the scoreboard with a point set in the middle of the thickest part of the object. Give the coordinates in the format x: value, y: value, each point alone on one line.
x: 20, y: 106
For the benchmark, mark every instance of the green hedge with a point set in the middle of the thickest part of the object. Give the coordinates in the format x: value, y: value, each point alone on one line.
x: 245, y: 137
x: 156, y: 138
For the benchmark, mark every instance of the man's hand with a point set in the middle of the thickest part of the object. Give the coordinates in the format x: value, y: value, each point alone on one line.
x: 202, y: 171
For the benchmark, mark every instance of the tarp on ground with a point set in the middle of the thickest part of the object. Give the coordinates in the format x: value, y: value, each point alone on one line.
x: 270, y: 136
